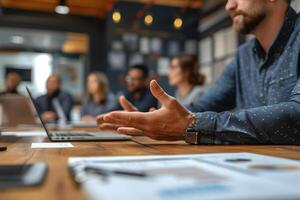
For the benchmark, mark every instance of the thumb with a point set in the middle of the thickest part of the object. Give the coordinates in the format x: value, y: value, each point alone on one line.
x: 159, y: 93
x: 126, y: 105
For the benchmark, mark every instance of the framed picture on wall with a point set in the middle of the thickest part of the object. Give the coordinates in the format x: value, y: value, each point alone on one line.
x: 25, y: 72
x: 72, y: 75
x: 190, y: 46
x: 131, y: 41
x: 163, y: 66
x: 156, y: 45
x: 145, y: 45
x: 173, y: 48
x: 116, y: 60
x: 136, y: 58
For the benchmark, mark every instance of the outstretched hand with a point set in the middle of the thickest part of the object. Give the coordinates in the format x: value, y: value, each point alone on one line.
x: 167, y: 123
x: 128, y: 107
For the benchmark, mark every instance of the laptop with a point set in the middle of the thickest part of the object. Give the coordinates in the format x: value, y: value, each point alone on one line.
x: 12, y: 103
x: 66, y: 136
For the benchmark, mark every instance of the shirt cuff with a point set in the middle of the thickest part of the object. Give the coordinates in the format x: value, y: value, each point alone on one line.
x: 205, y: 122
x: 205, y: 126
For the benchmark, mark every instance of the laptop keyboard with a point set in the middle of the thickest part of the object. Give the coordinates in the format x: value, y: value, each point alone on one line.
x: 71, y: 134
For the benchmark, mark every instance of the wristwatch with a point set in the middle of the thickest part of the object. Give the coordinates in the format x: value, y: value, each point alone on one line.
x: 191, y: 136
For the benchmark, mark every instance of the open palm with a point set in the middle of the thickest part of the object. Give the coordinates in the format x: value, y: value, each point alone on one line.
x: 167, y: 123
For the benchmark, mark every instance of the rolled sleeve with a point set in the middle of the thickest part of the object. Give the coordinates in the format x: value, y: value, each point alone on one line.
x: 274, y: 124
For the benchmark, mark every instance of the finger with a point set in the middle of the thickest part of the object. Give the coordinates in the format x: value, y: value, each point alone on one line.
x: 128, y: 119
x: 100, y: 119
x: 152, y: 109
x: 159, y: 93
x: 126, y: 105
x: 130, y: 131
x: 108, y: 126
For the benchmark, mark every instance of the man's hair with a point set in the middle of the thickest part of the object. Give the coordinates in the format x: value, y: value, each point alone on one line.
x: 57, y: 76
x: 142, y: 68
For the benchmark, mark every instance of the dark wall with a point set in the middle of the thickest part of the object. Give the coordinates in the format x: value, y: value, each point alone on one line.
x: 133, y: 23
x: 94, y: 27
x: 163, y: 19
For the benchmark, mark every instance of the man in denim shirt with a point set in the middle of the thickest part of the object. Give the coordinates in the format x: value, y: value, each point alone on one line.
x: 262, y: 83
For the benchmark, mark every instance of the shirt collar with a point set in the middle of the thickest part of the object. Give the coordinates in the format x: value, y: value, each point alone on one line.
x: 282, y: 37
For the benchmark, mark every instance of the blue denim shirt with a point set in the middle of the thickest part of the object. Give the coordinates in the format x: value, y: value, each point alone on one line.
x: 264, y: 89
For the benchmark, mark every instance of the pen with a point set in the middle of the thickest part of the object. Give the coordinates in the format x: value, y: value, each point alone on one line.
x: 106, y: 172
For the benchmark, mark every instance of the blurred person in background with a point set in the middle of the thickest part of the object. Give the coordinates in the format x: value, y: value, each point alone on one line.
x: 138, y: 91
x: 99, y: 99
x: 12, y: 82
x: 185, y: 76
x: 55, y: 104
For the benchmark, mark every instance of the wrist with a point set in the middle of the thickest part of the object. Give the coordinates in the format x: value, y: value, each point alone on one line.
x: 191, y: 125
x: 192, y: 121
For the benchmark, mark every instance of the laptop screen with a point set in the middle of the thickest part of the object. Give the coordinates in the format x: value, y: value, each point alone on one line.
x: 37, y: 111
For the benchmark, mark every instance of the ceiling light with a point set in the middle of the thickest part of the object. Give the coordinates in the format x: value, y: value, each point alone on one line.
x: 17, y: 39
x: 148, y: 20
x: 116, y: 17
x: 178, y: 22
x: 62, y: 9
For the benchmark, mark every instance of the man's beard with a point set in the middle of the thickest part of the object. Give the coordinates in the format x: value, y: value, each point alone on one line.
x: 248, y: 23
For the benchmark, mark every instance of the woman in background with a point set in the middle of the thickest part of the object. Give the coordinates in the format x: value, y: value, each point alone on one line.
x: 185, y: 76
x: 99, y: 99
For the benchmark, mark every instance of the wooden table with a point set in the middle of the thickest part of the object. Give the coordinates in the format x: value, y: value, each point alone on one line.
x: 59, y: 184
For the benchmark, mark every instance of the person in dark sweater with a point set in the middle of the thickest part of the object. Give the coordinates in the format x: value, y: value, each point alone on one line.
x: 137, y: 91
x: 55, y: 103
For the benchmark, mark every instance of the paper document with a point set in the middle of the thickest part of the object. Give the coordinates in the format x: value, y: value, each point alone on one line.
x: 54, y: 145
x: 24, y: 133
x: 80, y: 124
x: 206, y: 177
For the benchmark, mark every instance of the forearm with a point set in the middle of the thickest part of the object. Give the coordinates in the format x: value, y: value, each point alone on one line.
x: 276, y: 124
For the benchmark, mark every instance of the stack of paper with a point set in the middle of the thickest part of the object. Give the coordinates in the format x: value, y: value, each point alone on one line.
x: 205, y: 177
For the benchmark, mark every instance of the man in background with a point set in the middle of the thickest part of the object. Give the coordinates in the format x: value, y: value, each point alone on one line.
x: 138, y: 91
x: 56, y: 104
x: 12, y: 82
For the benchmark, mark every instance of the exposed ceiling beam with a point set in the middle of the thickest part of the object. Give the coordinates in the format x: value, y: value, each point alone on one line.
x: 97, y: 8
x: 195, y: 4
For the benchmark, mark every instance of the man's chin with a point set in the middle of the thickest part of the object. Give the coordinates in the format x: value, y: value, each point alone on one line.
x: 241, y: 28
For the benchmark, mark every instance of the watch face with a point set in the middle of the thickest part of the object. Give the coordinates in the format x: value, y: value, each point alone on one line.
x: 191, y: 138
